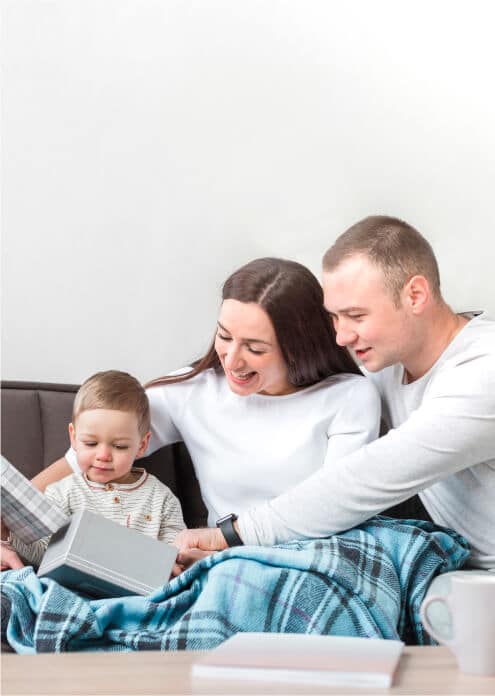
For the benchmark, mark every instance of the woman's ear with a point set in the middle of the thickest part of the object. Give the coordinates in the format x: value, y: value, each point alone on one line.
x: 144, y: 445
x: 416, y: 294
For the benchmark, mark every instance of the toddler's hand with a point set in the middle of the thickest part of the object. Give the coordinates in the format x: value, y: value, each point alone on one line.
x: 8, y: 557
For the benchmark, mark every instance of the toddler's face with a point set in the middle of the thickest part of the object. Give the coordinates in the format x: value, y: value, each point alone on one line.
x: 106, y: 443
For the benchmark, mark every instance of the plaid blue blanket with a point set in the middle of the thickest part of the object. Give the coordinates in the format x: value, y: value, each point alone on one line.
x: 368, y: 581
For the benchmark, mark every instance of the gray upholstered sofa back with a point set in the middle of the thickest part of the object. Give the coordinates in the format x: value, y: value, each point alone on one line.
x: 34, y: 434
x: 34, y: 423
x: 35, y: 417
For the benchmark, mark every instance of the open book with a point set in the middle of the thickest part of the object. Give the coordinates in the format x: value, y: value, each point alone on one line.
x: 26, y: 511
x: 304, y: 659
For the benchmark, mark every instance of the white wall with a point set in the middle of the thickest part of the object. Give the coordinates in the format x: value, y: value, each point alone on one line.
x: 150, y: 147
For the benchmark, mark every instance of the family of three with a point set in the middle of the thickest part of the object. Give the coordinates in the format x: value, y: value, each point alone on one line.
x: 281, y: 424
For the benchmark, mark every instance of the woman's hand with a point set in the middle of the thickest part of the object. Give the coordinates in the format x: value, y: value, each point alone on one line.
x: 207, y: 539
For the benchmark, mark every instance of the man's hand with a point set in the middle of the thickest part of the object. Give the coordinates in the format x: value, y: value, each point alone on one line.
x: 194, y: 544
x: 206, y: 539
x: 185, y: 559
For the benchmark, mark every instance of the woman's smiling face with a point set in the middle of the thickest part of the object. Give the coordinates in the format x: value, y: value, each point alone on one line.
x: 249, y: 352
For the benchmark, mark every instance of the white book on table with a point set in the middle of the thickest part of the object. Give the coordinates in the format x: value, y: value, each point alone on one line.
x: 304, y: 659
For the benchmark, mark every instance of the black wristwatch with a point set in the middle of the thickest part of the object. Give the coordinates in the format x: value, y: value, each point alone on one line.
x: 226, y: 526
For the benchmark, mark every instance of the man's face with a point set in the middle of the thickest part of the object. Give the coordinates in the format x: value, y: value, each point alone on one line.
x: 364, y: 314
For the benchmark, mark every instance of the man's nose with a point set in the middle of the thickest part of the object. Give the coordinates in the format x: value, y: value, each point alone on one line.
x: 344, y: 335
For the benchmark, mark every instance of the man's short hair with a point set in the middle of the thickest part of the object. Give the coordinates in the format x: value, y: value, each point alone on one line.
x: 395, y: 247
x: 114, y: 390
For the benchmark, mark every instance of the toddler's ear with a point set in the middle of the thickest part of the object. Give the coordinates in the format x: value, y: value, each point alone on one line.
x: 72, y: 435
x: 144, y: 445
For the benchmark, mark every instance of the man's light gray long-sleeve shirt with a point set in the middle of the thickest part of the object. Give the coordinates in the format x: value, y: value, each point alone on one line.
x: 441, y: 445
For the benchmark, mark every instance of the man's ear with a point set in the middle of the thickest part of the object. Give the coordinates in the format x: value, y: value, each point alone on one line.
x: 416, y: 294
x: 72, y: 435
x: 144, y: 445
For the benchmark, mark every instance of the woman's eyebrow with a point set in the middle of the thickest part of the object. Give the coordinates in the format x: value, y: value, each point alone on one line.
x: 223, y: 327
x: 248, y: 340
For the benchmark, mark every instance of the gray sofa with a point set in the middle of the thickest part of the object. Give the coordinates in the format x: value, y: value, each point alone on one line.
x: 35, y: 416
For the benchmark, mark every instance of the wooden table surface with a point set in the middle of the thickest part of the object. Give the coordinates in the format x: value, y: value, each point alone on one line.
x: 422, y: 670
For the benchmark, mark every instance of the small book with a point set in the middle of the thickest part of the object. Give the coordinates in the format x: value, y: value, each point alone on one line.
x: 303, y: 659
x: 25, y: 510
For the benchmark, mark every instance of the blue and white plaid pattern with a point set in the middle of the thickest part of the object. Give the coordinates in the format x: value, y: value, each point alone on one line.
x: 25, y: 510
x: 369, y: 581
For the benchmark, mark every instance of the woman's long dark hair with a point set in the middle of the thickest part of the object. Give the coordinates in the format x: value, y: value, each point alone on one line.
x: 293, y: 299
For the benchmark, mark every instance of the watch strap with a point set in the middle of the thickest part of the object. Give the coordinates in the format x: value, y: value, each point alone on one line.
x: 226, y: 526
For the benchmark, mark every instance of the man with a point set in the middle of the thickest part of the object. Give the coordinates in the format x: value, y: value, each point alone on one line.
x: 436, y: 374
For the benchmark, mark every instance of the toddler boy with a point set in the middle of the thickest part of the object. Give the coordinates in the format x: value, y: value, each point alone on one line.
x: 110, y: 429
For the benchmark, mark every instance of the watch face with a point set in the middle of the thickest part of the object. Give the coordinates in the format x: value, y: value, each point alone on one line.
x: 223, y: 519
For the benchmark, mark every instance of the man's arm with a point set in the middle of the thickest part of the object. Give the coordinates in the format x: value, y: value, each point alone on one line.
x: 355, y: 423
x: 56, y: 471
x: 452, y: 430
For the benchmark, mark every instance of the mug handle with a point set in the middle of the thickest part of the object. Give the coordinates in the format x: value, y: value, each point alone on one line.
x: 426, y: 622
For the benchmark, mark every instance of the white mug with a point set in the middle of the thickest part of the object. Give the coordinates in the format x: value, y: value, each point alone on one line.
x: 471, y: 605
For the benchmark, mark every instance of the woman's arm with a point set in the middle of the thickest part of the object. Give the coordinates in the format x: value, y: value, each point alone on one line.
x: 164, y: 401
x: 356, y: 422
x: 56, y: 471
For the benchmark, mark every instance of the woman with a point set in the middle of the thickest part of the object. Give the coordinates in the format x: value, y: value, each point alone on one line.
x: 273, y: 399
